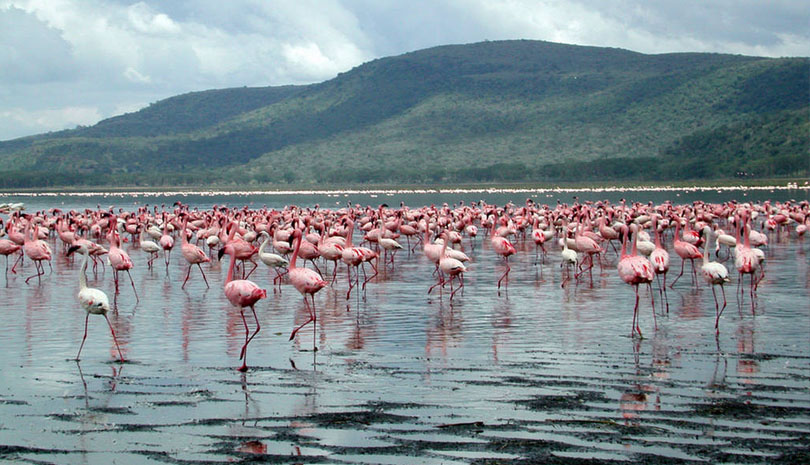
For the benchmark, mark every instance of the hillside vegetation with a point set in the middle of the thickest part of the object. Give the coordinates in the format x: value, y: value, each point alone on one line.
x: 485, y: 112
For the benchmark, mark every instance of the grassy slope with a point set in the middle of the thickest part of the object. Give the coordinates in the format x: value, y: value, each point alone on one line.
x: 445, y: 113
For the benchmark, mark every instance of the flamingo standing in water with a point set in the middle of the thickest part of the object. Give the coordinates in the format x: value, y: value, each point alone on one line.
x: 193, y: 255
x: 242, y: 293
x: 451, y: 267
x: 274, y: 261
x: 8, y: 247
x: 746, y: 260
x: 504, y: 248
x: 119, y: 259
x: 166, y: 242
x: 148, y: 246
x: 36, y: 249
x: 634, y: 270
x: 686, y: 251
x: 94, y: 301
x: 660, y: 260
x: 569, y: 256
x: 715, y: 274
x: 305, y: 281
x: 355, y: 257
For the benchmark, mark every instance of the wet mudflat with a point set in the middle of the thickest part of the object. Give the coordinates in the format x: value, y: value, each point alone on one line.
x: 537, y: 374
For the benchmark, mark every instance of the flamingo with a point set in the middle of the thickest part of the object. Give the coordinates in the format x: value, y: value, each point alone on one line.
x: 8, y: 247
x: 36, y: 249
x: 634, y: 270
x: 242, y: 293
x: 305, y: 281
x: 272, y: 260
x: 166, y: 242
x: 587, y: 246
x: 355, y: 257
x: 685, y: 250
x: 193, y: 255
x: 715, y: 274
x: 660, y: 261
x: 450, y: 266
x: 94, y: 301
x: 569, y: 256
x: 149, y: 247
x: 504, y: 248
x: 746, y: 260
x: 119, y: 259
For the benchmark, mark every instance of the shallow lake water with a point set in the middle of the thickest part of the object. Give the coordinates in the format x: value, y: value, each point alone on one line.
x: 538, y: 373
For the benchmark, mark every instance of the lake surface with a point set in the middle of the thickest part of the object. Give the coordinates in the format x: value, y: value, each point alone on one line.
x: 539, y: 373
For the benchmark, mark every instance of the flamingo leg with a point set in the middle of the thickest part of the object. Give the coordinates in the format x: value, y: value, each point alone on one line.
x: 635, y: 313
x: 652, y: 299
x: 133, y: 286
x: 247, y: 332
x: 86, y: 318
x: 460, y: 286
x: 504, y: 276
x: 376, y: 272
x: 439, y: 281
x: 203, y: 275
x: 14, y: 267
x: 351, y: 283
x: 255, y: 265
x: 188, y: 273
x: 247, y: 340
x: 112, y: 331
x: 310, y: 320
x: 677, y: 277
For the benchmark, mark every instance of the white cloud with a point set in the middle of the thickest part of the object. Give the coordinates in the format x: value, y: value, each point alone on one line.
x: 49, y: 119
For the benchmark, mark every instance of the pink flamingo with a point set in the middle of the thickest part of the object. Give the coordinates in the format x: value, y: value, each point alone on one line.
x: 242, y: 293
x: 243, y: 250
x: 166, y: 242
x: 119, y: 259
x: 451, y: 267
x: 686, y: 251
x: 355, y: 257
x: 746, y: 260
x: 305, y: 281
x: 588, y: 246
x: 193, y: 255
x: 504, y: 248
x: 634, y: 270
x: 8, y: 247
x: 36, y: 249
x: 660, y: 260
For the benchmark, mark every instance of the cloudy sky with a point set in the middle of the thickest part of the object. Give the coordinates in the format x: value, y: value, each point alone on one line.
x: 65, y: 63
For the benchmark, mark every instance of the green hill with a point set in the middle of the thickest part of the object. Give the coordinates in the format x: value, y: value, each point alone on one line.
x: 491, y: 111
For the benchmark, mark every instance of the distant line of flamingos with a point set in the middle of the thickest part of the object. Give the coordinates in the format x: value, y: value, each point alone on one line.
x: 583, y: 233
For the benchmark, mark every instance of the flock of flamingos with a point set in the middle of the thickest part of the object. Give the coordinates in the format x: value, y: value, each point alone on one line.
x: 724, y: 238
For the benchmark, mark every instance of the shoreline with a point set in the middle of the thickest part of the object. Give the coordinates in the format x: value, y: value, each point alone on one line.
x: 460, y: 189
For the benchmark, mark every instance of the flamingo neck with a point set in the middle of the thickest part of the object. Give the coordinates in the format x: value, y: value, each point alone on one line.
x: 634, y: 252
x: 657, y: 234
x: 295, y: 251
x: 183, y: 238
x: 229, y: 278
x: 747, y: 234
x: 82, y: 273
x: 264, y: 244
x: 624, y: 243
x: 349, y: 234
x: 706, y: 251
